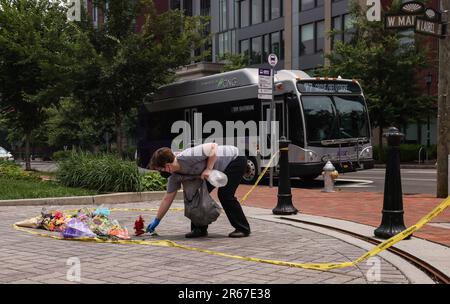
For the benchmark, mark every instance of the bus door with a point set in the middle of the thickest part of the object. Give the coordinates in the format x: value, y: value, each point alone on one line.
x: 280, y: 116
x: 196, y: 131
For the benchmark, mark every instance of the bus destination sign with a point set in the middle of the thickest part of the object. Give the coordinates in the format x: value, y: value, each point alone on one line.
x: 324, y: 86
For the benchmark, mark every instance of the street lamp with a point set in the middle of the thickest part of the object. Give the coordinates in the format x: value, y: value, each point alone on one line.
x: 428, y: 81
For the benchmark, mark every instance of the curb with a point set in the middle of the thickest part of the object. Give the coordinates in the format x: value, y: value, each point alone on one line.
x: 115, y: 198
x: 407, y: 166
x: 413, y: 274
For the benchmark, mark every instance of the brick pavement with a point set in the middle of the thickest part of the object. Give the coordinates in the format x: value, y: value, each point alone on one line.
x: 360, y: 207
x: 25, y: 258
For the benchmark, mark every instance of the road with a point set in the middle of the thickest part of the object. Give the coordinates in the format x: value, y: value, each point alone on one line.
x: 413, y: 180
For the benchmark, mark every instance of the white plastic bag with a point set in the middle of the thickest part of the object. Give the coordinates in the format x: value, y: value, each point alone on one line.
x: 217, y: 179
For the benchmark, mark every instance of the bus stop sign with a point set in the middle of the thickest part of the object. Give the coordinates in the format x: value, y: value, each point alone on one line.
x: 273, y: 60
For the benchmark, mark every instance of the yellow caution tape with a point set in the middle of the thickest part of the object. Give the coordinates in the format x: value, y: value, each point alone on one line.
x: 244, y: 198
x: 316, y: 266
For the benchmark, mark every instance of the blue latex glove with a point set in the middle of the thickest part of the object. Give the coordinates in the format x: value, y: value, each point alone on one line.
x: 151, y: 227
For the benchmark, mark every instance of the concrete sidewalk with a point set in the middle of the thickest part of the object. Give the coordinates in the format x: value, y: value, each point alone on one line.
x: 25, y: 258
x: 363, y: 208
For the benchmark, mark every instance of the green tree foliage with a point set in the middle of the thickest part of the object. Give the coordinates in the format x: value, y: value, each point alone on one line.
x: 38, y: 52
x: 234, y: 61
x: 129, y: 65
x: 69, y: 126
x: 386, y: 68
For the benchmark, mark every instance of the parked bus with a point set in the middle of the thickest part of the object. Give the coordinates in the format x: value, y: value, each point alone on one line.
x: 325, y: 119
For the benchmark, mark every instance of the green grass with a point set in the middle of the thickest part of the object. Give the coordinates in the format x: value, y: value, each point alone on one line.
x: 20, y: 189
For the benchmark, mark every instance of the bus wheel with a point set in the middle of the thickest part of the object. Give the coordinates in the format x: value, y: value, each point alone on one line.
x: 251, y: 172
x: 309, y: 178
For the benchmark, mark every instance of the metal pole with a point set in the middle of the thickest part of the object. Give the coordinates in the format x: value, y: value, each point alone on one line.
x: 443, y: 147
x: 284, y: 205
x: 272, y: 118
x: 392, y: 222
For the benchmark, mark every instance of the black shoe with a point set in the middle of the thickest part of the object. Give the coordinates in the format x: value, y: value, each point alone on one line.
x: 238, y: 234
x: 196, y: 233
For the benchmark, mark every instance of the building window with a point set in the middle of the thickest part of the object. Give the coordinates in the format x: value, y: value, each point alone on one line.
x: 224, y: 43
x: 348, y: 26
x: 244, y: 13
x: 320, y: 36
x: 95, y: 15
x: 267, y: 10
x: 275, y: 43
x: 337, y: 28
x: 310, y: 4
x: 266, y: 46
x: 256, y: 44
x: 276, y: 9
x: 244, y: 48
x: 257, y: 11
x: 175, y: 4
x: 223, y: 15
x: 187, y: 7
x: 307, y: 39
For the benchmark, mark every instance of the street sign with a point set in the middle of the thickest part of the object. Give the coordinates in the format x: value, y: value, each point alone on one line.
x: 265, y: 85
x: 416, y: 16
x: 400, y: 21
x: 265, y: 79
x: 427, y: 27
x: 272, y: 60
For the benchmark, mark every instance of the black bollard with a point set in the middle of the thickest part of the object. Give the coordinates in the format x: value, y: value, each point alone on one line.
x: 392, y: 222
x: 284, y: 205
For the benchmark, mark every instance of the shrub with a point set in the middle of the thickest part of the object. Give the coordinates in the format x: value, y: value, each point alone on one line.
x: 408, y: 153
x: 153, y: 181
x: 11, y: 170
x: 101, y: 172
x: 61, y: 155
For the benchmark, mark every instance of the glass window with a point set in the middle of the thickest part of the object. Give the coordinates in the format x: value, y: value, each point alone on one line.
x: 348, y: 25
x: 307, y: 4
x: 257, y: 11
x: 320, y: 118
x: 275, y: 43
x: 244, y: 12
x: 187, y: 7
x: 282, y: 45
x: 275, y: 9
x: 337, y: 27
x: 266, y: 10
x: 320, y: 34
x: 352, y: 117
x: 256, y: 50
x: 295, y: 130
x: 175, y: 4
x: 223, y: 15
x: 266, y: 52
x: 307, y: 39
x: 244, y: 47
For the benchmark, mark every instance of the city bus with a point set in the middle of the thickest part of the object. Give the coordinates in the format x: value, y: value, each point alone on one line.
x: 325, y: 119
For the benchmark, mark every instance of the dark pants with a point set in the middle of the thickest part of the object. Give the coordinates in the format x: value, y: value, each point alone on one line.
x: 230, y: 204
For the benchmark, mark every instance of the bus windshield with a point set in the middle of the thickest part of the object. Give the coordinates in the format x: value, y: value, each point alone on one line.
x: 335, y: 117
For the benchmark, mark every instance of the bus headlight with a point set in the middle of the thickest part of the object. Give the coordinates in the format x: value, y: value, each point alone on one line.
x: 366, y: 152
x: 312, y: 156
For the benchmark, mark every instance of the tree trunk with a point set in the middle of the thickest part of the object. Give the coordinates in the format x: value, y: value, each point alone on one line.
x: 27, y: 152
x: 443, y: 112
x: 119, y: 134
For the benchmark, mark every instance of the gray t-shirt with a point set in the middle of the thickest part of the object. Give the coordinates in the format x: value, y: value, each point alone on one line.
x: 193, y: 161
